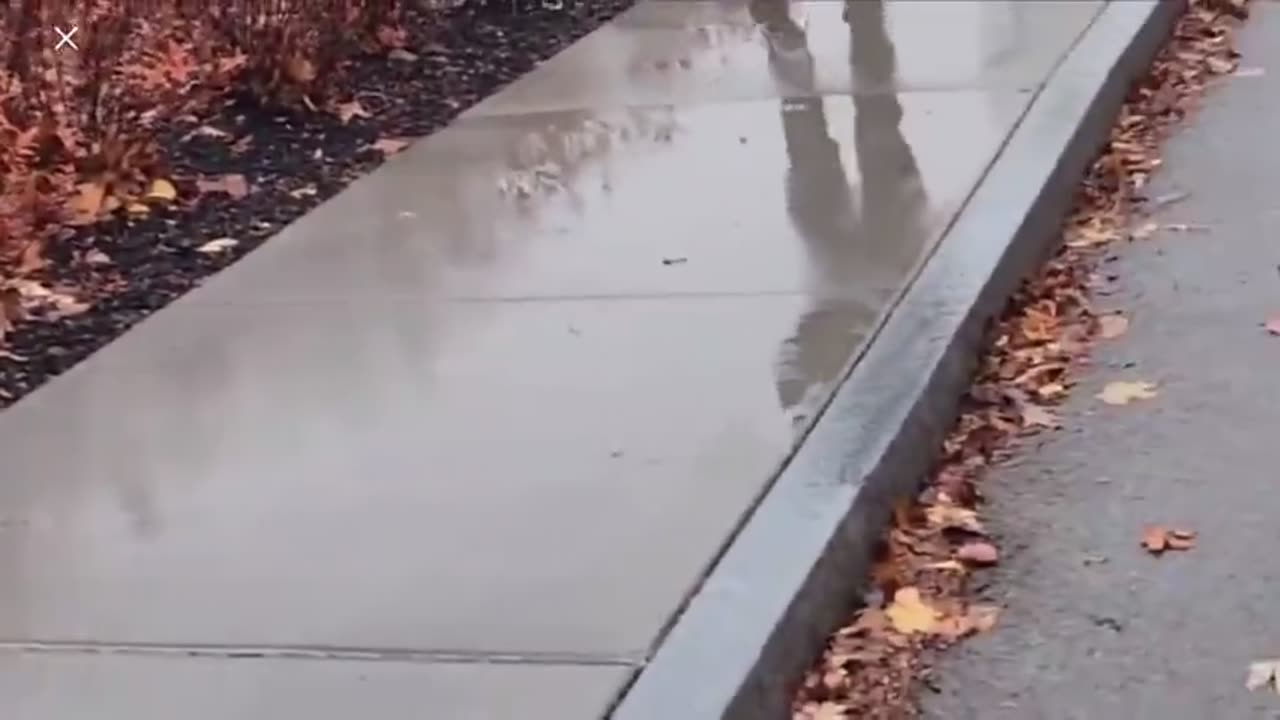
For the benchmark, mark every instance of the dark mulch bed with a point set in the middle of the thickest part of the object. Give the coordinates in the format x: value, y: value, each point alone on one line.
x: 462, y: 55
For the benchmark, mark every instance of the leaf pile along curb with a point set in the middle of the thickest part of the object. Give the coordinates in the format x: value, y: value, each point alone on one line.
x: 922, y: 599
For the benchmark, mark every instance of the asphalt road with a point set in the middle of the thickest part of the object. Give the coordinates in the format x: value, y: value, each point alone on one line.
x: 1094, y: 627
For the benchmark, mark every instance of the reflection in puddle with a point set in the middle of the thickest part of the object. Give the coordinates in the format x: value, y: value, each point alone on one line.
x: 863, y: 238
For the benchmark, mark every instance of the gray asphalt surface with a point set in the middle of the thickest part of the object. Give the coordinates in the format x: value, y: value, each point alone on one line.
x: 1094, y: 627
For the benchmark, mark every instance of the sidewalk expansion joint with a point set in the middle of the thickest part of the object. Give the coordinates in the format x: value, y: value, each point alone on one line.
x: 318, y: 652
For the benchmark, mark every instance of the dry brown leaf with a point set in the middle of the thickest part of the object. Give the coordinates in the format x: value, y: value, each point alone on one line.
x: 1112, y: 326
x: 1144, y: 231
x: 162, y: 190
x: 954, y: 517
x: 910, y: 614
x: 233, y: 184
x: 390, y: 146
x: 978, y: 553
x: 87, y: 203
x: 214, y: 247
x: 1124, y: 392
x: 349, y: 110
x: 946, y: 565
x: 1157, y: 538
x: 1220, y: 65
x: 301, y: 70
x: 1039, y: 416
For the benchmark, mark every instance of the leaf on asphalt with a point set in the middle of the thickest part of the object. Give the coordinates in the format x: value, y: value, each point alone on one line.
x: 1039, y: 416
x: 1157, y: 538
x: 1112, y: 326
x: 1124, y: 392
x: 163, y: 190
x: 87, y: 203
x: 978, y: 618
x: 349, y: 110
x: 1264, y: 674
x: 233, y: 184
x: 1273, y: 325
x: 1220, y: 65
x: 390, y: 146
x: 954, y: 517
x: 910, y: 614
x: 978, y: 553
x: 214, y: 247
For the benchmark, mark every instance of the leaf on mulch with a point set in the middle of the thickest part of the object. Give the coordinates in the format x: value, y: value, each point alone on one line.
x: 1123, y: 392
x: 1264, y: 674
x: 1156, y: 539
x: 350, y: 110
x: 233, y: 184
x: 1112, y: 326
x: 163, y: 190
x: 214, y: 247
x: 87, y: 204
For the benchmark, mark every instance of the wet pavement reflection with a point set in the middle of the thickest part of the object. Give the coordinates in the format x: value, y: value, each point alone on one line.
x: 874, y: 236
x: 550, y: 355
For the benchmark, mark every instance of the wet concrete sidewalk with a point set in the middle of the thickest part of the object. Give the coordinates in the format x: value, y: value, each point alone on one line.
x: 459, y: 443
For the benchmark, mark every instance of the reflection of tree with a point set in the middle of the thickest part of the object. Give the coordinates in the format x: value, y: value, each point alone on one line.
x: 862, y: 245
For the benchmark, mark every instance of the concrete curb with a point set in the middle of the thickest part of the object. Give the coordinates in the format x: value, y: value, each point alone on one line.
x: 793, y: 571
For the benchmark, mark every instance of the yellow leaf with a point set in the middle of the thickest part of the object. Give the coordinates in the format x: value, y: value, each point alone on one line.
x: 162, y: 189
x: 910, y: 614
x: 1123, y: 393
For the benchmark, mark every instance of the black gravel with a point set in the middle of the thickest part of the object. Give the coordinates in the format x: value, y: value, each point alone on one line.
x: 293, y: 162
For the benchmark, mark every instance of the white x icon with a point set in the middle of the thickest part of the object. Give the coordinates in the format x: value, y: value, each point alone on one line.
x: 65, y: 37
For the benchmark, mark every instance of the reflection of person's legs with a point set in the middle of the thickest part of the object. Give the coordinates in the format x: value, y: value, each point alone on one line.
x: 788, y: 47
x: 870, y: 50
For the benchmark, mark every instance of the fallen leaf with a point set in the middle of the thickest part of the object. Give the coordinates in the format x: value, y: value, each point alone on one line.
x: 1051, y: 391
x: 390, y: 146
x: 947, y: 565
x: 1220, y: 65
x: 1039, y: 416
x: 87, y: 203
x: 347, y: 111
x: 1123, y: 393
x: 402, y: 55
x: 233, y: 184
x: 909, y: 613
x: 1262, y: 674
x: 136, y: 208
x: 210, y: 132
x: 954, y: 517
x: 213, y: 247
x: 1157, y: 538
x: 978, y: 553
x: 1112, y: 326
x: 162, y: 189
x: 304, y: 191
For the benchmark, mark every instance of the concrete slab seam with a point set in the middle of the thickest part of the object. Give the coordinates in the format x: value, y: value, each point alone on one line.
x: 791, y: 574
